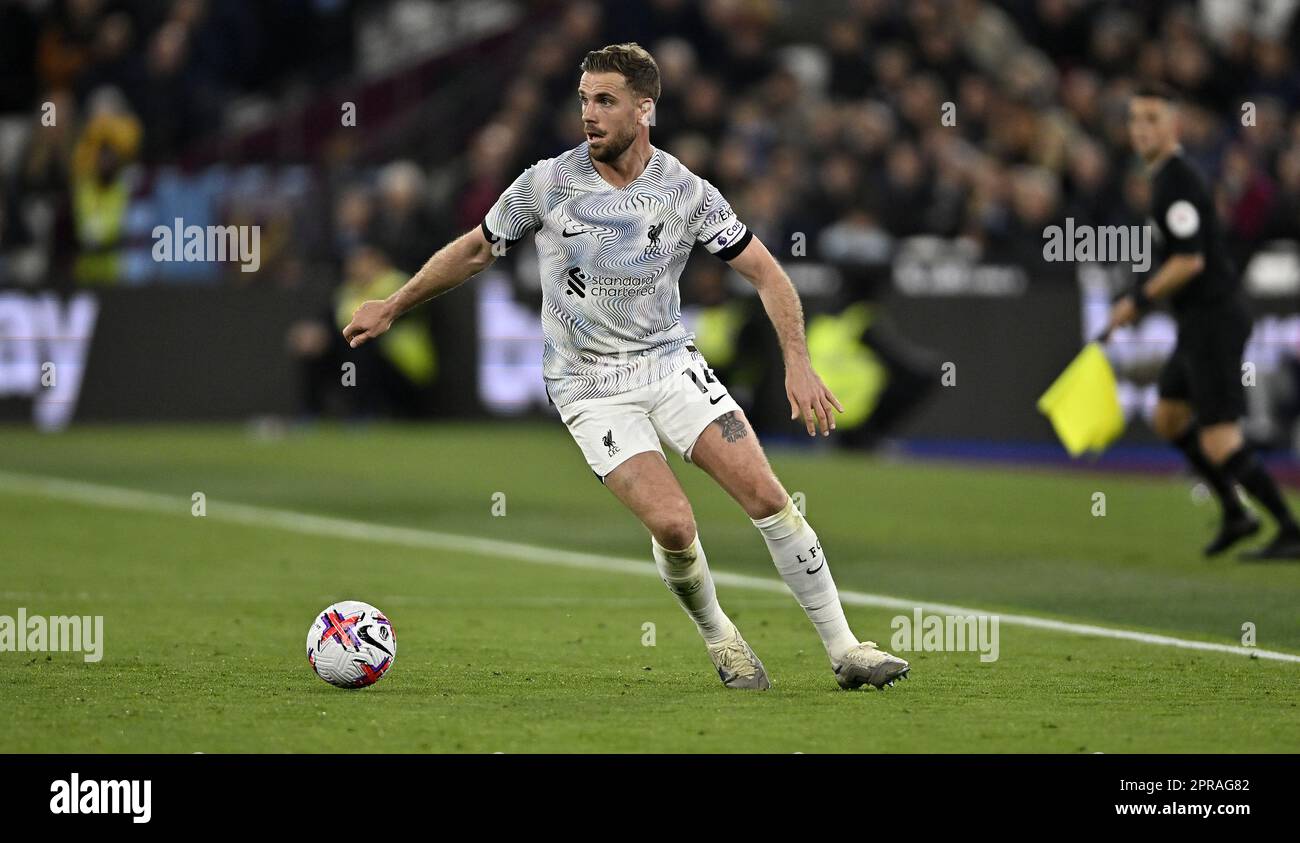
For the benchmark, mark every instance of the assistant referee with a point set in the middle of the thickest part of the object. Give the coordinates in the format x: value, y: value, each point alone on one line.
x: 1201, y: 394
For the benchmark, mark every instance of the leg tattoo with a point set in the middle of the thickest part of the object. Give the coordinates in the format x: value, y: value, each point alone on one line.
x: 732, y: 427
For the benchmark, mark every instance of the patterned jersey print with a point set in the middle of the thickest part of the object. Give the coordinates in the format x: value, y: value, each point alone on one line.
x: 610, y: 260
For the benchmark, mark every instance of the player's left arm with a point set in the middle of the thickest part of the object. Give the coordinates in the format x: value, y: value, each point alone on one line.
x: 809, y: 397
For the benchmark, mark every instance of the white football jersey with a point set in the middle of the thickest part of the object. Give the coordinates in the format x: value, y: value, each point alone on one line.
x: 610, y: 260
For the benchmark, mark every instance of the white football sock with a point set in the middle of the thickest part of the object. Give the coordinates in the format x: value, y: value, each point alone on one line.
x: 799, y: 558
x: 686, y: 573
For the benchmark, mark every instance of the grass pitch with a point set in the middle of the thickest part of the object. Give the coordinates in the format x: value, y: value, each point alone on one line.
x: 205, y: 617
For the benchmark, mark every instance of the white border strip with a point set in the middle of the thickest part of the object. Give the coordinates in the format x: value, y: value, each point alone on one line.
x: 114, y: 497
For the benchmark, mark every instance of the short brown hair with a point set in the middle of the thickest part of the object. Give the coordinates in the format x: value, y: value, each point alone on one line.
x: 633, y: 61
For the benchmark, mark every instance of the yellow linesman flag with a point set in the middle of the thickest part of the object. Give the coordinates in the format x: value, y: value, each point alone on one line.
x: 1083, y: 403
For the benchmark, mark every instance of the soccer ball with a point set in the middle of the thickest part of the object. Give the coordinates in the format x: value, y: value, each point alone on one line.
x: 351, y: 644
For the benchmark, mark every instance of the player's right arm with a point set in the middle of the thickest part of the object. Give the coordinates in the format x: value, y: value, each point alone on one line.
x: 450, y: 266
x: 516, y: 213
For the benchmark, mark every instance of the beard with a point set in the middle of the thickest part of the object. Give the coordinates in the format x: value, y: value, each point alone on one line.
x: 613, y: 146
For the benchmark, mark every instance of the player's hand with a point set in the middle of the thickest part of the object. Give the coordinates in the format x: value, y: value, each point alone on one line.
x: 1123, y: 312
x: 810, y: 398
x: 371, y: 319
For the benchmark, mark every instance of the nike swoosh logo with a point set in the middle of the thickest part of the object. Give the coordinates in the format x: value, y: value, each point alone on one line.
x: 812, y: 570
x: 573, y: 233
x: 716, y: 400
x: 364, y: 633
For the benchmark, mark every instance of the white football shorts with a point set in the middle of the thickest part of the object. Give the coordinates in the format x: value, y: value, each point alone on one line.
x: 674, y: 410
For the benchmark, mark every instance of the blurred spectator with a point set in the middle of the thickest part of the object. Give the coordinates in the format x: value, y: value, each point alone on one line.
x: 21, y: 261
x: 100, y: 188
x: 489, y: 174
x: 391, y: 376
x: 401, y: 225
x: 985, y: 119
x: 1246, y: 201
x: 166, y: 100
x: 1093, y: 197
x: 1284, y: 222
x: 353, y: 215
x: 402, y: 363
x: 65, y: 48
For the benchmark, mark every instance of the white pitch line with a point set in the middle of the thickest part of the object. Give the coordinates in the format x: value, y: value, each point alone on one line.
x: 115, y: 497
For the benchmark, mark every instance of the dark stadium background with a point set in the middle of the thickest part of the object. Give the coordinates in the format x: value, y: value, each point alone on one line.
x: 820, y: 121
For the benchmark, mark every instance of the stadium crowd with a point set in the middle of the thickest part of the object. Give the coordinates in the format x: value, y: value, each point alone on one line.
x: 819, y: 118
